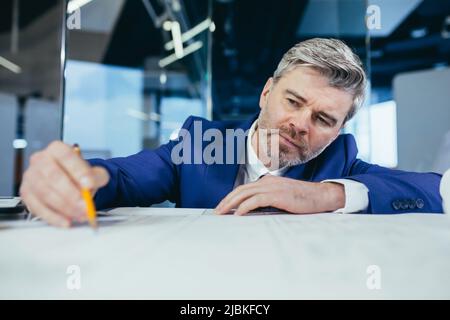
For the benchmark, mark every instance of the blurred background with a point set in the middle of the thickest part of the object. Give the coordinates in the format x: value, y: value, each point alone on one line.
x: 117, y: 76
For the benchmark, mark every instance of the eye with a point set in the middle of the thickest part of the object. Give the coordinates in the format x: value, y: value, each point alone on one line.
x: 322, y: 120
x: 292, y: 102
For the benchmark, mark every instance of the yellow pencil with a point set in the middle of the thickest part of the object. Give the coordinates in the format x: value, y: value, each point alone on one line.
x: 87, y: 197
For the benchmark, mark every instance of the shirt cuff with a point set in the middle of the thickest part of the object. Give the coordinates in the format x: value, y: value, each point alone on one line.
x: 356, y: 196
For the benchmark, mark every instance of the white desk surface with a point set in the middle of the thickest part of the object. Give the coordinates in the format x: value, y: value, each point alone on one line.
x: 158, y: 253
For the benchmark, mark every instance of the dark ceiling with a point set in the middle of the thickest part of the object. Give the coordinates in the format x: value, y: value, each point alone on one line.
x: 251, y: 37
x: 29, y: 10
x: 134, y: 38
x: 400, y: 52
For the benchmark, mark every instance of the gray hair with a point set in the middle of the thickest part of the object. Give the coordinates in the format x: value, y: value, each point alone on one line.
x: 333, y: 59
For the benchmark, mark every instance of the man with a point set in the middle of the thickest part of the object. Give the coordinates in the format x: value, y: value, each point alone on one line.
x: 316, y: 89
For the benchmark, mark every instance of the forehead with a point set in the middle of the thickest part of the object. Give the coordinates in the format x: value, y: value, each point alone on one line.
x: 314, y: 87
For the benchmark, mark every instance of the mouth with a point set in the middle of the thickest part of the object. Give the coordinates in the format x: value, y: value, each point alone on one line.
x: 290, y: 142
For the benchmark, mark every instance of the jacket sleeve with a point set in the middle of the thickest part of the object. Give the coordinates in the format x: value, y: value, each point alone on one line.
x: 142, y: 179
x: 396, y: 191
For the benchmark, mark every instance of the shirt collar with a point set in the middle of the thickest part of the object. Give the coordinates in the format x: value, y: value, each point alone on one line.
x: 255, y: 167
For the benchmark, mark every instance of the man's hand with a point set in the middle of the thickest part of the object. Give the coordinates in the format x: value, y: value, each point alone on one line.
x: 51, y: 185
x: 286, y: 194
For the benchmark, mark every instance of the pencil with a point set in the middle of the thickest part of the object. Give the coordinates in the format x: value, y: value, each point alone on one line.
x: 87, y: 197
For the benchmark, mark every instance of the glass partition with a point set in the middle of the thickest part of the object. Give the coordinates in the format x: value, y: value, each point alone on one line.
x: 410, y: 55
x: 31, y: 64
x: 251, y: 39
x: 136, y: 74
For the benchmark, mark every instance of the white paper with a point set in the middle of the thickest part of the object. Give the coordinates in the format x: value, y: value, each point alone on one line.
x: 444, y: 190
x: 157, y: 253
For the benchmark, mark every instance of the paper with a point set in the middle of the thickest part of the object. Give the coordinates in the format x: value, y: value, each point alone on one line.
x: 444, y: 190
x: 157, y: 253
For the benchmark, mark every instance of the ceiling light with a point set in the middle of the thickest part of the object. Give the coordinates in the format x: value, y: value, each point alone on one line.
x: 76, y: 4
x: 167, y: 25
x: 212, y: 27
x: 176, y: 36
x: 172, y: 58
x: 205, y: 24
x: 9, y: 65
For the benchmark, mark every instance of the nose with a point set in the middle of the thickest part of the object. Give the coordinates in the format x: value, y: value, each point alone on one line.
x: 300, y: 121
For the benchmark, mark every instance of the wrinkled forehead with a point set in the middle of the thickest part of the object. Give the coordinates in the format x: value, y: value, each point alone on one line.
x: 314, y: 88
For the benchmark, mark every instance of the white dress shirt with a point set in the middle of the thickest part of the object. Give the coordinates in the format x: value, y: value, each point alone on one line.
x: 356, y: 197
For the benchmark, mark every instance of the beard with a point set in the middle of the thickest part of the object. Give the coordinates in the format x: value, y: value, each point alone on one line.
x: 283, y: 155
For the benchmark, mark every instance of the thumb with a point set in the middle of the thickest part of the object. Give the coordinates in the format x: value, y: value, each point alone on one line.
x: 101, y: 176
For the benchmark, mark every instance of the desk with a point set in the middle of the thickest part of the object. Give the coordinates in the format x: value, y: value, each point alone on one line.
x: 157, y: 253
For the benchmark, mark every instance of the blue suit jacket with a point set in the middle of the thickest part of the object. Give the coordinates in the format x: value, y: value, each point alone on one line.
x: 150, y: 177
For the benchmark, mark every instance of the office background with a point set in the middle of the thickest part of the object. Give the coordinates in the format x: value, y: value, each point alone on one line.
x: 108, y: 74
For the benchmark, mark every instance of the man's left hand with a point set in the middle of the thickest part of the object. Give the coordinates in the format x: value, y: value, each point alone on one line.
x: 294, y: 196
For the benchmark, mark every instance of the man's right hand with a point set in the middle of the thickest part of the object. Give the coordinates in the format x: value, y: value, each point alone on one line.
x: 51, y: 185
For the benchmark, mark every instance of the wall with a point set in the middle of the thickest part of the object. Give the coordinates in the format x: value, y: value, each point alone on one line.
x: 423, y: 118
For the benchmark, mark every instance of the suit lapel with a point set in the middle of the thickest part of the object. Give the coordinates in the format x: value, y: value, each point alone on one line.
x: 221, y: 177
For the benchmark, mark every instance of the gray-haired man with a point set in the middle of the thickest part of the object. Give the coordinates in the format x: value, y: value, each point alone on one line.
x: 318, y: 86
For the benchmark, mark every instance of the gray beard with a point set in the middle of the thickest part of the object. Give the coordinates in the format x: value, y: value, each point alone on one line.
x: 283, y: 162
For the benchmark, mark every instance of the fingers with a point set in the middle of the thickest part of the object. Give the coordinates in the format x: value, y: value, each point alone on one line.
x: 101, y: 177
x: 251, y: 203
x: 269, y: 191
x: 282, y: 193
x: 58, y: 191
x: 51, y: 185
x: 220, y: 207
x: 77, y: 168
x: 234, y: 198
x: 53, y: 218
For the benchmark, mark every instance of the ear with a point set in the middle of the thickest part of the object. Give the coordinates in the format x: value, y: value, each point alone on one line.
x: 265, y: 92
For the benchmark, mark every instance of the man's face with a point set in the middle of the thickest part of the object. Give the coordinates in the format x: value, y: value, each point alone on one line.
x: 307, y: 112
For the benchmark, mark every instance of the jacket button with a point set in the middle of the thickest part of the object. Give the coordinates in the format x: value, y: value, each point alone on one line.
x: 420, y: 203
x: 404, y: 204
x: 396, y: 204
